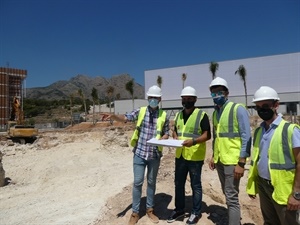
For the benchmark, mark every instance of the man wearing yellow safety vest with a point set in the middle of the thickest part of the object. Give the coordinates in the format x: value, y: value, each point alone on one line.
x: 275, y: 167
x: 231, y: 145
x: 192, y: 126
x: 151, y: 122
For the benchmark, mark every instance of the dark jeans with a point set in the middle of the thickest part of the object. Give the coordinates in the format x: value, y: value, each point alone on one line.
x: 182, y: 168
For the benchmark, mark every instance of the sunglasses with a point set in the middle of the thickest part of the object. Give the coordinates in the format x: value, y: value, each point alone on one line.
x: 264, y: 106
x: 150, y: 97
x: 219, y: 93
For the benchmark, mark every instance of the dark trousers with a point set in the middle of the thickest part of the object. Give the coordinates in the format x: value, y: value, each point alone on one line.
x: 182, y: 168
x: 273, y: 213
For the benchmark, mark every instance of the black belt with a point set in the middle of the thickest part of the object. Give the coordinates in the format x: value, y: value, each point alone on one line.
x: 267, y: 181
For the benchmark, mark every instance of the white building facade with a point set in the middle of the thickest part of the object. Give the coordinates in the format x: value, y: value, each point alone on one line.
x: 281, y: 72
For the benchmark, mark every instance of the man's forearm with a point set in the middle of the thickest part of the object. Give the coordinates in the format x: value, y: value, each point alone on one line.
x: 120, y: 118
x: 296, y: 186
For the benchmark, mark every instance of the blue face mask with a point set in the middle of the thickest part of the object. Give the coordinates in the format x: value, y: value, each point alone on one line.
x: 220, y: 100
x: 153, y: 102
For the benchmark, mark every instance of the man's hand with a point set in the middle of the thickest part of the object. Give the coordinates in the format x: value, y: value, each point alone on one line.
x: 187, y: 143
x: 238, y: 172
x: 293, y: 204
x: 211, y: 164
x: 252, y: 196
x: 166, y: 136
x: 106, y: 117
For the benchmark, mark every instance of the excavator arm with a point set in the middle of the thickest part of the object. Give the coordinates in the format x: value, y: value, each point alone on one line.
x: 17, y: 131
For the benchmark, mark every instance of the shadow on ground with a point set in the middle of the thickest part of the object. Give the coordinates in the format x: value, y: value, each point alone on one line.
x: 217, y: 214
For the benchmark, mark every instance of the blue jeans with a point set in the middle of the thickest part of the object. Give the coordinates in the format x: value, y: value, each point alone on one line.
x: 182, y: 168
x: 139, y: 167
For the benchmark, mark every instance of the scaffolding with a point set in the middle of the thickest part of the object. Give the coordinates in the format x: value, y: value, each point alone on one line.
x: 11, y: 86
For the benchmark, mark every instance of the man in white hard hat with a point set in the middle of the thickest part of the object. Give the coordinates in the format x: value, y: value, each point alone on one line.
x: 151, y: 122
x: 192, y: 126
x: 275, y: 167
x: 231, y: 145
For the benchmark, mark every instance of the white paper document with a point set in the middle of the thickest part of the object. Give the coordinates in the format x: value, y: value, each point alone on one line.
x: 165, y: 142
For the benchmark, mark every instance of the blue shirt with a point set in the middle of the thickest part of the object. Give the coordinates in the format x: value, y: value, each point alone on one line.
x: 262, y: 164
x: 244, y: 129
x: 147, y: 131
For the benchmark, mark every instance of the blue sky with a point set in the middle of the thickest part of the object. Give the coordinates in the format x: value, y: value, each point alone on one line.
x: 59, y: 39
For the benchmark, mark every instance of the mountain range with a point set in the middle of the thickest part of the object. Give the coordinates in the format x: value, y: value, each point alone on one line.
x: 63, y: 89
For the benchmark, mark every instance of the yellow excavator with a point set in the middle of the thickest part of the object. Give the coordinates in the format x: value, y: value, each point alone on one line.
x: 16, y: 130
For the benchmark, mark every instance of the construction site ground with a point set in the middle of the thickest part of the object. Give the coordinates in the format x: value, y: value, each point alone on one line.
x: 82, y: 175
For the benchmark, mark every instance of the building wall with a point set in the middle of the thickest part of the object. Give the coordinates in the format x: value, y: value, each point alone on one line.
x: 172, y: 106
x: 281, y: 72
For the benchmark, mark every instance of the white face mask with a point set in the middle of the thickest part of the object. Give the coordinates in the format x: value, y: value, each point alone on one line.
x: 153, y: 102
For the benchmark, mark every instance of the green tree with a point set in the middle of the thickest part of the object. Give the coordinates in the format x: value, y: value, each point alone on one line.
x: 241, y: 71
x: 213, y: 67
x: 159, y: 81
x: 94, y: 95
x: 110, y: 91
x: 129, y: 87
x: 183, y: 78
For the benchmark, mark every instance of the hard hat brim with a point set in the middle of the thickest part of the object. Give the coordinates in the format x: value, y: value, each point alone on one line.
x: 264, y: 99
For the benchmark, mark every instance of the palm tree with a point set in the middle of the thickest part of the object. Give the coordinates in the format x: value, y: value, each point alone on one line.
x: 159, y: 82
x: 80, y: 93
x: 129, y: 88
x: 110, y: 91
x: 213, y: 67
x: 94, y: 95
x: 243, y: 73
x: 183, y: 78
x: 71, y: 105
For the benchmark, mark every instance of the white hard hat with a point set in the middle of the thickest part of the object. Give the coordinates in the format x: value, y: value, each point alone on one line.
x: 154, y: 91
x: 218, y: 81
x: 188, y: 91
x: 265, y: 93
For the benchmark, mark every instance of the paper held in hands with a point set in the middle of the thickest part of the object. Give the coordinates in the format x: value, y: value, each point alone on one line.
x: 165, y: 142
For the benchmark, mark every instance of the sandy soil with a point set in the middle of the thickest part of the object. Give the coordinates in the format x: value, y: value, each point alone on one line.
x: 83, y: 175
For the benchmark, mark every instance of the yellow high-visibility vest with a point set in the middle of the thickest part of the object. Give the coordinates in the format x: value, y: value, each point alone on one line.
x: 281, y: 162
x: 162, y: 115
x: 190, y: 130
x: 227, y: 143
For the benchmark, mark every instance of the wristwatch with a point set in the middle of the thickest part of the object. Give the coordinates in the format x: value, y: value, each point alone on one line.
x: 242, y: 164
x: 296, y: 195
x: 194, y: 141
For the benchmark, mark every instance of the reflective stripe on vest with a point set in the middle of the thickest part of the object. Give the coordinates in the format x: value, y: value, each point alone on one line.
x: 230, y: 133
x: 257, y: 133
x: 227, y: 142
x: 281, y: 162
x: 195, y: 133
x: 188, y: 130
x: 289, y: 164
x: 162, y: 115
